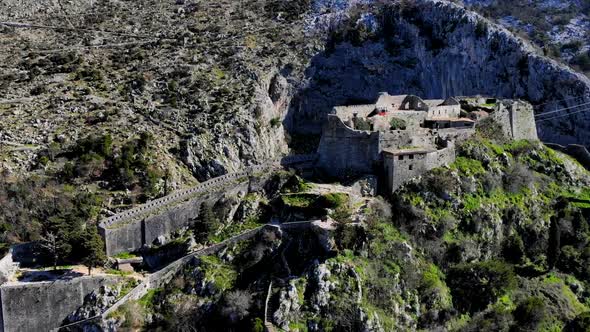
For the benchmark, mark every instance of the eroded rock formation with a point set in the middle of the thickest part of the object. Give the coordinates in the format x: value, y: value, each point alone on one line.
x: 434, y: 49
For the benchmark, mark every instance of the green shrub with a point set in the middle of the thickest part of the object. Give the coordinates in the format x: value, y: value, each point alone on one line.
x: 489, y: 128
x: 342, y: 214
x: 299, y: 200
x: 397, y: 124
x: 334, y: 200
x: 434, y: 289
x: 468, y: 166
x: 513, y: 249
x: 475, y: 285
x: 258, y: 325
x: 275, y: 122
x: 361, y: 124
x: 580, y: 323
x: 44, y: 160
x: 296, y: 185
x: 530, y: 313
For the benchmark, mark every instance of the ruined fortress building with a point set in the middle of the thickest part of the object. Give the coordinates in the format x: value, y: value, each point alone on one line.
x: 405, y: 136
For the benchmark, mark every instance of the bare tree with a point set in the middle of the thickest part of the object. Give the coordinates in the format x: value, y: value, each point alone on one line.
x: 50, y: 243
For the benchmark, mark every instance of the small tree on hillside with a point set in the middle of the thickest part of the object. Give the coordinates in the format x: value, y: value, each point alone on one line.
x: 207, y: 223
x: 52, y: 246
x: 93, y: 246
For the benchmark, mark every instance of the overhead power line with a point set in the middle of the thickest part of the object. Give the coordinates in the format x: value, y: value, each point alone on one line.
x: 562, y: 116
x: 562, y: 109
x: 557, y: 101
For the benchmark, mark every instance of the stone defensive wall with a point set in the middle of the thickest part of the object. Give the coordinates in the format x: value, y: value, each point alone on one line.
x: 7, y: 267
x: 130, y: 230
x: 399, y: 171
x: 42, y: 306
x: 347, y: 112
x: 165, y: 275
x: 343, y: 149
x: 517, y: 119
x: 298, y: 159
x: 440, y: 157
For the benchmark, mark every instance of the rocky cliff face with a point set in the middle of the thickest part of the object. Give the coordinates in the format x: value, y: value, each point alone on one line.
x: 216, y: 95
x: 435, y: 49
x: 213, y: 93
x: 253, y: 137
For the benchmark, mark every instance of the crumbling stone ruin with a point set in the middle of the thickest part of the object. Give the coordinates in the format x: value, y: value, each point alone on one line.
x: 404, y: 136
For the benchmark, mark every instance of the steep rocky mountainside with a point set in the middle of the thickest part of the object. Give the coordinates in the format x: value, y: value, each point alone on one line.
x: 559, y: 28
x: 105, y: 104
x: 496, y: 241
x: 109, y: 103
x: 213, y: 81
x: 435, y: 49
x: 204, y: 78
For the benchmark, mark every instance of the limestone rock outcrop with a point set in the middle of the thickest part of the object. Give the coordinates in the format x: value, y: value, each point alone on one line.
x: 436, y: 49
x: 253, y: 136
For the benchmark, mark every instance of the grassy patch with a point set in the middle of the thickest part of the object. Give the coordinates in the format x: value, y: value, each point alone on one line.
x: 125, y: 255
x: 299, y: 200
x: 433, y: 283
x: 147, y: 301
x: 221, y: 274
x: 127, y: 286
x: 235, y: 229
x: 117, y: 272
x: 468, y: 166
x: 334, y: 200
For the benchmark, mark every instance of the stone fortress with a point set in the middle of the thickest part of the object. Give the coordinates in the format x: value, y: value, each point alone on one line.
x: 402, y: 137
x: 396, y: 138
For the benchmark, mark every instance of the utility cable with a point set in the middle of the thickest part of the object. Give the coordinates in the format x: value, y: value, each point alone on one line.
x: 562, y: 116
x: 562, y: 109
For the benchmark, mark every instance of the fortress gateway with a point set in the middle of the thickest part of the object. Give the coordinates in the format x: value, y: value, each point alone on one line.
x: 404, y: 136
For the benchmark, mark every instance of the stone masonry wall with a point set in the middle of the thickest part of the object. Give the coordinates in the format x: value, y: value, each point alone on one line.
x: 343, y: 150
x: 42, y: 306
x: 523, y: 121
x: 347, y: 112
x: 401, y: 171
x: 517, y: 120
x: 441, y: 157
x: 182, y: 216
x: 130, y: 230
x: 413, y: 118
x: 163, y: 276
x: 451, y: 111
x: 7, y: 267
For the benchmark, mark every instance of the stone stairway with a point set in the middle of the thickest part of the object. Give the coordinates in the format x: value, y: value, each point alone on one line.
x: 268, y: 326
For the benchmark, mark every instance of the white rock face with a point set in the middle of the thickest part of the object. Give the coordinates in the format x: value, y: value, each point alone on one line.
x: 255, y: 135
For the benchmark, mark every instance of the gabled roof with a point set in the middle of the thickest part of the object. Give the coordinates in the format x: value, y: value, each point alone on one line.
x: 387, y: 101
x: 434, y: 102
